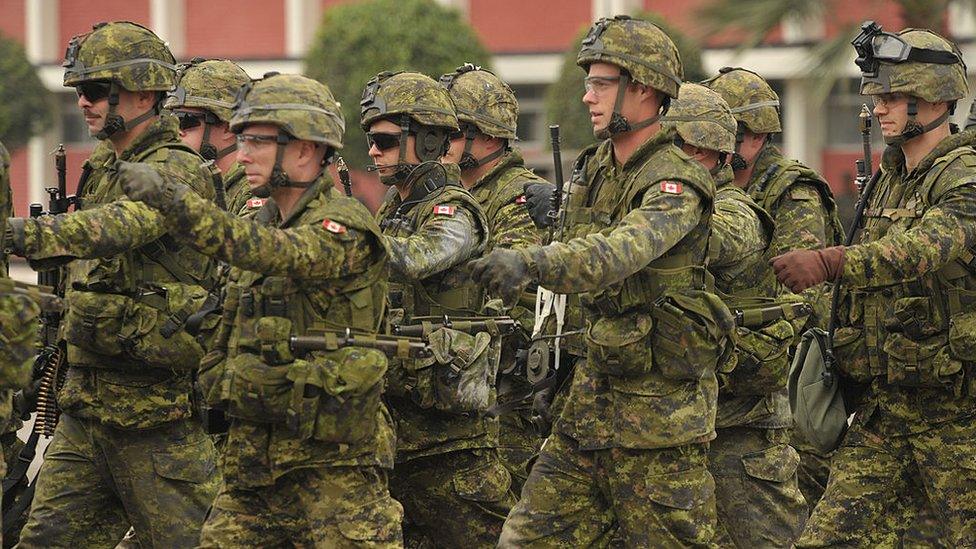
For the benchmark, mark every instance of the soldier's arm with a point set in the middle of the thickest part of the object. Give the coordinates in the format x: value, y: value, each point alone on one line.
x: 599, y: 259
x: 801, y: 221
x: 512, y: 227
x: 943, y: 233
x: 312, y: 251
x: 738, y: 236
x: 441, y: 243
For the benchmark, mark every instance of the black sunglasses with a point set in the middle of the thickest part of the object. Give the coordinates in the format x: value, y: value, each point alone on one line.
x: 189, y: 120
x: 94, y: 91
x: 383, y: 141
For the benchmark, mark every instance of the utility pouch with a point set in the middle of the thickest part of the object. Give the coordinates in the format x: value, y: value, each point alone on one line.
x: 93, y: 321
x: 621, y: 345
x: 254, y: 391
x: 923, y: 363
x: 693, y: 334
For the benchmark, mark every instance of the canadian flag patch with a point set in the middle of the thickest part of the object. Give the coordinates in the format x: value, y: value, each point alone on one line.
x: 520, y: 200
x: 256, y: 202
x: 333, y: 227
x: 671, y: 187
x: 443, y: 209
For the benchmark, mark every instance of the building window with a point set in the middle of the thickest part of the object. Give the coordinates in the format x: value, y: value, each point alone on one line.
x: 532, y: 115
x: 74, y: 131
x: 843, y: 106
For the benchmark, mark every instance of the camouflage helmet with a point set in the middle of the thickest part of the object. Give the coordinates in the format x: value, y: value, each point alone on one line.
x: 483, y: 100
x: 934, y: 82
x: 123, y: 52
x: 702, y: 118
x: 638, y: 46
x: 413, y: 94
x: 304, y: 108
x: 752, y: 100
x: 210, y: 84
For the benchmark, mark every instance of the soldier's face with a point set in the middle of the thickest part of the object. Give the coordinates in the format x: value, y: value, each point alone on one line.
x: 256, y: 152
x: 481, y: 146
x: 387, y: 159
x: 891, y: 109
x: 601, y: 93
x: 131, y: 105
x: 191, y: 126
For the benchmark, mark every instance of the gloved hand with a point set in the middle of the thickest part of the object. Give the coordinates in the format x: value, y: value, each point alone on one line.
x: 802, y: 269
x: 503, y: 273
x: 144, y: 184
x: 539, y: 202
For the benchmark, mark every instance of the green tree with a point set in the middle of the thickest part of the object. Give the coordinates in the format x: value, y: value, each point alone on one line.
x: 563, y: 99
x: 25, y: 104
x: 357, y: 40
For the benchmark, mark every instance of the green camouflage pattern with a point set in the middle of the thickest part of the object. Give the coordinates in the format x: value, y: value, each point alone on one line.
x: 702, y: 118
x: 741, y: 231
x: 907, y: 333
x: 457, y: 499
x: 237, y: 191
x: 484, y: 100
x: 163, y: 480
x: 415, y: 95
x: 116, y: 246
x: 614, y: 497
x: 303, y: 107
x: 327, y: 271
x: 929, y: 81
x: 210, y: 84
x: 121, y: 51
x: 638, y: 46
x: 500, y: 194
x: 19, y: 325
x: 758, y: 500
x: 752, y: 101
x: 336, y: 507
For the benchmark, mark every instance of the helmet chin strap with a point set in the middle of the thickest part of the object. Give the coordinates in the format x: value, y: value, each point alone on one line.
x: 279, y: 178
x: 114, y: 122
x: 468, y: 160
x: 914, y: 128
x: 618, y: 122
x: 209, y: 151
x: 738, y: 162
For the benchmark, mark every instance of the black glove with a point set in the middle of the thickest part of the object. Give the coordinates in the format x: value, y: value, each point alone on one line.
x: 503, y: 273
x: 539, y: 202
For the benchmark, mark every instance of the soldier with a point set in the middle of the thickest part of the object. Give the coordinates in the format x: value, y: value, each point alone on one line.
x: 126, y: 450
x: 493, y: 171
x: 797, y: 198
x: 454, y: 489
x: 627, y: 457
x: 202, y: 101
x: 309, y: 440
x: 908, y: 327
x: 758, y: 500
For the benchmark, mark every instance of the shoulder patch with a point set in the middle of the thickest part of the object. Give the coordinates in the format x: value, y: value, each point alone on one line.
x: 333, y: 227
x: 444, y: 209
x: 520, y: 199
x: 671, y: 187
x: 253, y: 203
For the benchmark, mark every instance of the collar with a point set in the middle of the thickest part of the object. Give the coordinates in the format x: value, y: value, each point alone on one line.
x: 162, y: 130
x: 511, y: 159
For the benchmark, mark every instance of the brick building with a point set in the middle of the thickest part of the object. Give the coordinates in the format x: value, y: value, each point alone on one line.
x: 527, y: 38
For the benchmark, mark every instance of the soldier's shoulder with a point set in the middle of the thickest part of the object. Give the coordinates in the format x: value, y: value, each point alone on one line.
x: 956, y: 168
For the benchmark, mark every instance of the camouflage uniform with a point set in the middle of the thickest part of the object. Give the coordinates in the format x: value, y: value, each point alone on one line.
x: 487, y: 105
x: 801, y: 204
x: 908, y: 330
x: 759, y: 503
x: 212, y: 85
x: 309, y: 442
x: 627, y: 458
x: 126, y: 450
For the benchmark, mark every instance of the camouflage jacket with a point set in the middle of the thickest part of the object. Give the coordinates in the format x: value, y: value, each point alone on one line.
x: 127, y: 279
x: 803, y: 208
x: 910, y: 287
x: 638, y: 231
x: 430, y: 236
x: 237, y: 192
x: 323, y: 266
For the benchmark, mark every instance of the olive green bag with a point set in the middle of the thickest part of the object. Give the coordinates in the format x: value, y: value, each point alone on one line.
x: 816, y: 399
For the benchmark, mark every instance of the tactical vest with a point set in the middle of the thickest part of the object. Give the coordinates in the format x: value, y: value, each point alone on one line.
x: 298, y: 411
x: 502, y: 186
x: 131, y: 360
x: 775, y: 180
x: 919, y: 333
x: 654, y: 339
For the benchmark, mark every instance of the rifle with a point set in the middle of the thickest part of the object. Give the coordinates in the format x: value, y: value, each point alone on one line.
x: 557, y: 193
x: 331, y: 340
x: 344, y: 177
x: 863, y: 165
x: 504, y: 325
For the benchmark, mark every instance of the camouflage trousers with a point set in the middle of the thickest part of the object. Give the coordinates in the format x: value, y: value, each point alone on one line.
x: 880, y: 477
x: 759, y: 503
x: 622, y: 497
x: 331, y: 507
x: 518, y: 437
x: 98, y: 480
x: 813, y: 471
x: 457, y: 499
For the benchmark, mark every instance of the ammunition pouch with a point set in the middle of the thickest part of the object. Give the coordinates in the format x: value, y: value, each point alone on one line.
x: 147, y: 328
